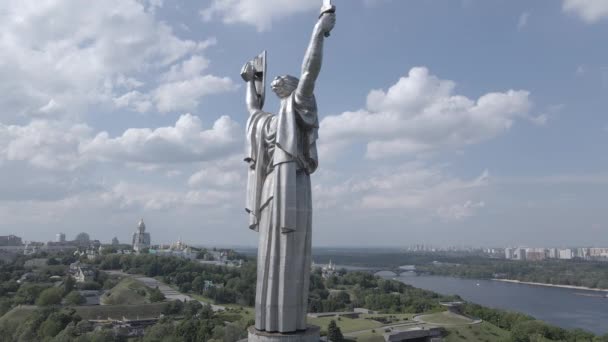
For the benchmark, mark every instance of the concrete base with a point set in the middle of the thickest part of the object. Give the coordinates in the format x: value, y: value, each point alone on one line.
x: 312, y: 334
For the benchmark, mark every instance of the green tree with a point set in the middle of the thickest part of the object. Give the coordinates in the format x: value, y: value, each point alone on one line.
x: 5, y: 305
x: 334, y: 333
x: 161, y: 332
x: 156, y: 295
x: 75, y: 298
x: 50, y: 296
x: 68, y: 284
x: 50, y: 327
x: 28, y: 293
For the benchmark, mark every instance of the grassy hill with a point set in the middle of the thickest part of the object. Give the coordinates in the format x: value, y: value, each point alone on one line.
x: 17, y: 315
x: 127, y: 292
x: 479, y: 332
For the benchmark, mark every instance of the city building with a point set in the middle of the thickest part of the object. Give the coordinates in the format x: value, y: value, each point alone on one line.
x: 10, y: 240
x: 115, y: 241
x: 328, y: 270
x: 535, y: 255
x: 520, y: 254
x: 509, y: 253
x: 141, y: 239
x: 178, y: 248
x: 598, y: 252
x: 60, y: 237
x: 582, y: 253
x: 553, y: 253
x: 566, y: 253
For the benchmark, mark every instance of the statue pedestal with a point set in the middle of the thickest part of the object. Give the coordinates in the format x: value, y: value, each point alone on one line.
x: 312, y: 334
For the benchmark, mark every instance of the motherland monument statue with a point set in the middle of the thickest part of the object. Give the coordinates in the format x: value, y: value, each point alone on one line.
x: 281, y: 155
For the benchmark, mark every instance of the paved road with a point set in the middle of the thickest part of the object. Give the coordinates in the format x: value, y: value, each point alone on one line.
x: 169, y: 292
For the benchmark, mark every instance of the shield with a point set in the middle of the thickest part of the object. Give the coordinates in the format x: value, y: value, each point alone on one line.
x: 259, y: 67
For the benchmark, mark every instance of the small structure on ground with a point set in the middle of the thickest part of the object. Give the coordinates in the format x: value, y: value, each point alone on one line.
x: 453, y: 307
x: 414, y: 335
x: 365, y: 311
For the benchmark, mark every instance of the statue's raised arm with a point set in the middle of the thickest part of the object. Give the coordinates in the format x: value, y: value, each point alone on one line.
x: 314, y: 54
x: 252, y: 98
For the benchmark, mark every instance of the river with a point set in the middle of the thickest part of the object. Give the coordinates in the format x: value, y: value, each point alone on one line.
x: 565, y: 308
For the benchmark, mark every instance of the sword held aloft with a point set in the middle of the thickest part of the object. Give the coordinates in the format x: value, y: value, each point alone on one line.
x: 327, y: 7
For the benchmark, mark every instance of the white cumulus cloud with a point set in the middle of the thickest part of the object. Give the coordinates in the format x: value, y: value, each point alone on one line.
x: 425, y: 190
x: 187, y: 141
x: 45, y: 144
x: 61, y: 57
x: 590, y: 11
x: 259, y: 13
x: 522, y: 22
x: 421, y: 113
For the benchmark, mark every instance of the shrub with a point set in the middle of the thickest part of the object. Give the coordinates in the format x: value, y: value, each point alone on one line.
x: 50, y: 296
x: 74, y: 298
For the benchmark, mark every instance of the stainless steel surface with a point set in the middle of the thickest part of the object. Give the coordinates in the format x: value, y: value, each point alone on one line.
x: 281, y: 155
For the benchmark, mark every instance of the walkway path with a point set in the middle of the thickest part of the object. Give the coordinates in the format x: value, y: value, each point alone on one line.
x: 381, y: 328
x: 418, y: 321
x: 447, y: 316
x: 169, y: 292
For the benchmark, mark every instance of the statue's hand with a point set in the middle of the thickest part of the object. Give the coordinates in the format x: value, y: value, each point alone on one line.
x: 247, y: 73
x: 326, y: 23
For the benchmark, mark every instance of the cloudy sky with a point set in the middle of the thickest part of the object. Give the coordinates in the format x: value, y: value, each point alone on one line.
x: 463, y: 122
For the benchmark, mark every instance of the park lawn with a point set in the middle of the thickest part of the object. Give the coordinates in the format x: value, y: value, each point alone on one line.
x: 244, y: 313
x: 346, y: 324
x: 247, y: 313
x: 199, y: 297
x: 479, y: 332
x: 446, y: 317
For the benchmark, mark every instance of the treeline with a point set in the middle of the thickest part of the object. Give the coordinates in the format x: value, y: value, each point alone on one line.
x: 593, y: 274
x: 360, y: 289
x: 222, y: 284
x: 189, y: 321
x: 23, y: 285
x: 525, y: 328
x: 391, y: 259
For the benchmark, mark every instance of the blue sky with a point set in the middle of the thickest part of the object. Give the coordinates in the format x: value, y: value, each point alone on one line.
x: 443, y: 122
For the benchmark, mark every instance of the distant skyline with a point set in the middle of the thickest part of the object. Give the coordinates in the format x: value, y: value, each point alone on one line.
x: 469, y: 122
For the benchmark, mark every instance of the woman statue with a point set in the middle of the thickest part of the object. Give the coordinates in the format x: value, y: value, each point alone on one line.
x: 281, y: 155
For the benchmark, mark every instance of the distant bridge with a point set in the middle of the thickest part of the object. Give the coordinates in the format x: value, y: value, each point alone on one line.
x: 387, y: 273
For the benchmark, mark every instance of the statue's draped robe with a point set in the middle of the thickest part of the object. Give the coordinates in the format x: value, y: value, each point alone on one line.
x: 282, y: 153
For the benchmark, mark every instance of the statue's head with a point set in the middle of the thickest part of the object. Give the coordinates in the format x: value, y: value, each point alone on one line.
x: 283, y: 86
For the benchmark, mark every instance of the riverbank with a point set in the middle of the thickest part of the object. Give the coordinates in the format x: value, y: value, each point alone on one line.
x: 572, y: 287
x: 562, y: 307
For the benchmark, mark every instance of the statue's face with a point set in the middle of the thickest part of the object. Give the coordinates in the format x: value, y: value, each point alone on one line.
x: 281, y: 87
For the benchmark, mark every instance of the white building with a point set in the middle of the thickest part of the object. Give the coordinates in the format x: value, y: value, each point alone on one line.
x: 141, y: 239
x: 60, y: 237
x: 328, y: 270
x: 509, y: 253
x: 598, y: 252
x: 583, y: 253
x: 565, y: 253
x: 553, y: 253
x: 520, y: 254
